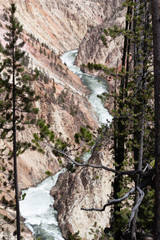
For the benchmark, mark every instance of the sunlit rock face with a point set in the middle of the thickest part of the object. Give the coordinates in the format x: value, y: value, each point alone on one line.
x: 61, y: 24
x: 92, y: 49
x: 54, y: 27
x: 89, y: 188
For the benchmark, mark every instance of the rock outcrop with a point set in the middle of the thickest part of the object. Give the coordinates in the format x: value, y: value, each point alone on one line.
x: 92, y: 48
x: 60, y: 24
x: 51, y: 28
x: 87, y: 187
x: 90, y: 187
x: 46, y: 27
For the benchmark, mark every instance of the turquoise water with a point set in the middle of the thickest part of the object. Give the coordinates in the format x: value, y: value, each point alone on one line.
x: 96, y: 85
x: 37, y: 207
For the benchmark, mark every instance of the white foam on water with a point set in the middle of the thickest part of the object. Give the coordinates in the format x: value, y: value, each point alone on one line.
x: 96, y: 85
x: 37, y: 209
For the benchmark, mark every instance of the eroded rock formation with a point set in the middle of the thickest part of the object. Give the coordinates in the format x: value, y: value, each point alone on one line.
x: 51, y: 28
x: 88, y: 188
x: 59, y: 24
x: 92, y: 48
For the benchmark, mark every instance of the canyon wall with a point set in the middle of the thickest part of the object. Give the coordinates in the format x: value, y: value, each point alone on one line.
x: 51, y: 28
x: 91, y: 188
x: 88, y: 188
x: 92, y: 48
x: 59, y: 24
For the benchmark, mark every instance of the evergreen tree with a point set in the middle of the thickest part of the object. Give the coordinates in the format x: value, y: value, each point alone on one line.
x: 133, y: 112
x: 133, y: 136
x: 16, y: 106
x: 156, y: 41
x: 40, y: 50
x: 133, y: 104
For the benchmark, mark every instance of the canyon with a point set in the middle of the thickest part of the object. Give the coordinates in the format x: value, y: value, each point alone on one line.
x: 85, y: 188
x: 39, y: 20
x: 93, y: 49
x: 50, y: 29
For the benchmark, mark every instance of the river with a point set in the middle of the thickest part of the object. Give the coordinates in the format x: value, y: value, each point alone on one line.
x: 96, y: 85
x: 37, y: 207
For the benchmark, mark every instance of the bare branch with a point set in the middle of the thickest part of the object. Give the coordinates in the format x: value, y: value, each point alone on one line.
x: 136, y: 207
x: 147, y: 166
x: 149, y: 178
x: 113, y: 201
x: 132, y: 172
x: 73, y: 150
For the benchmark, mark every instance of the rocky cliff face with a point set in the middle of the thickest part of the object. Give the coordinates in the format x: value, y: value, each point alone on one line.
x: 88, y: 188
x: 51, y: 28
x: 92, y: 48
x: 65, y: 110
x: 59, y: 24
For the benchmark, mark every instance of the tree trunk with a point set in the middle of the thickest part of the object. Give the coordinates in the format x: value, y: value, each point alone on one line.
x: 156, y: 49
x: 119, y: 139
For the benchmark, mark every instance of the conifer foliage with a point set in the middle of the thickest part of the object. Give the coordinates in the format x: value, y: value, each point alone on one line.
x: 16, y: 109
x: 133, y: 127
x: 156, y: 43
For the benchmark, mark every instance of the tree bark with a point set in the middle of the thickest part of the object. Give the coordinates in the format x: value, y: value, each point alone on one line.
x: 119, y: 139
x: 156, y: 50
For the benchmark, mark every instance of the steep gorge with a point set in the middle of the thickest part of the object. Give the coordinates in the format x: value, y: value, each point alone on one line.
x: 59, y: 24
x: 51, y: 28
x: 94, y: 50
x: 88, y: 188
x: 54, y: 27
x: 63, y: 101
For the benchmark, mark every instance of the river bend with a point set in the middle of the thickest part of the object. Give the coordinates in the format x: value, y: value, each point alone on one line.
x: 37, y: 207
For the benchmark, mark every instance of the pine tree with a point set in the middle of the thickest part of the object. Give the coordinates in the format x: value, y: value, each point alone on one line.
x: 16, y: 101
x: 135, y: 95
x: 156, y: 41
x: 133, y: 136
x: 133, y: 112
